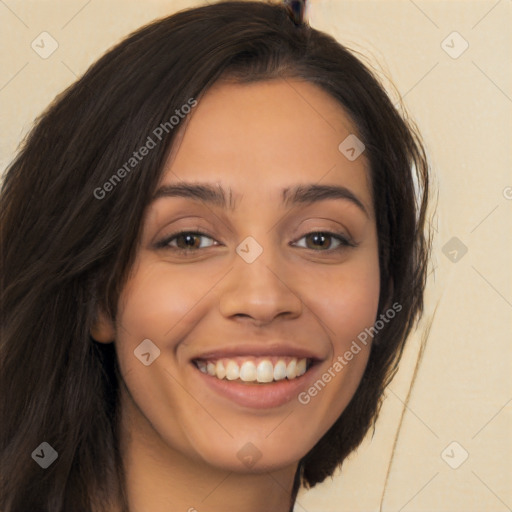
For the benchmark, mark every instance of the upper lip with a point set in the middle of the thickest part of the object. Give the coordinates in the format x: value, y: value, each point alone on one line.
x: 258, y: 350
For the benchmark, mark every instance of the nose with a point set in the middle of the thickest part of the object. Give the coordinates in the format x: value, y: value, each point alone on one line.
x: 259, y: 292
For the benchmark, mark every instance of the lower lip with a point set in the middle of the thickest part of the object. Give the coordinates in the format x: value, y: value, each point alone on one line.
x: 259, y: 396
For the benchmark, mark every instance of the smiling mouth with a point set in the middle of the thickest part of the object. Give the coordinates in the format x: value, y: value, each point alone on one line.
x: 254, y: 370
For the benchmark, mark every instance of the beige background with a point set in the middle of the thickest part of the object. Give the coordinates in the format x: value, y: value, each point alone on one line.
x: 462, y: 391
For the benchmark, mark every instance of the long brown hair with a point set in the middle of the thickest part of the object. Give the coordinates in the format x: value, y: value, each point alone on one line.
x: 65, y: 252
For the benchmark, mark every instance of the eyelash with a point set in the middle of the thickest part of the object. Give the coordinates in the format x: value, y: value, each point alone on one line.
x: 164, y: 243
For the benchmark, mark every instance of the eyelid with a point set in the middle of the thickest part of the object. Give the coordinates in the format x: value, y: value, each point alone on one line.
x: 164, y: 242
x: 345, y: 240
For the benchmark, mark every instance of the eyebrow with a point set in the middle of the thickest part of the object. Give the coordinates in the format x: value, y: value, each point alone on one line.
x: 291, y: 196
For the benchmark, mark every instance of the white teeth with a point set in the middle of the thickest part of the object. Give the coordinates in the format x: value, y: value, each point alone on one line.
x: 232, y: 371
x: 220, y: 370
x: 210, y: 368
x: 301, y: 367
x: 291, y: 372
x: 265, y: 371
x: 280, y: 370
x: 259, y: 370
x: 248, y: 372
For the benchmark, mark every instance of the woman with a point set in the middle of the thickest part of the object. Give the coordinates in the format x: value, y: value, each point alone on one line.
x: 213, y: 251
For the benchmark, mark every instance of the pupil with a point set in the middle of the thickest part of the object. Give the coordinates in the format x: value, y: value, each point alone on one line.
x: 319, y: 238
x: 189, y: 240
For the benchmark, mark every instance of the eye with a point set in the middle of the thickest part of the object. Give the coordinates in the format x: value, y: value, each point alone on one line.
x: 184, y: 241
x: 323, y: 239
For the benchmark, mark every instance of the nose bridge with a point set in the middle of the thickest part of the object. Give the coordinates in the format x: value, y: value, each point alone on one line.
x: 257, y: 286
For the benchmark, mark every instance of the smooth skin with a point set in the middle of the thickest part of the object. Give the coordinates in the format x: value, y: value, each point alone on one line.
x: 180, y: 438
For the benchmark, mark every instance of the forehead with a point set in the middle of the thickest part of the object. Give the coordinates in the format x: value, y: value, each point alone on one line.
x: 268, y: 136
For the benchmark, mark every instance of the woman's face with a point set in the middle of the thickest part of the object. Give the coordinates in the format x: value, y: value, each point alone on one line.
x: 266, y: 284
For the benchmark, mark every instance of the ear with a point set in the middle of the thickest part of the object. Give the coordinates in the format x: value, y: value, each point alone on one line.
x: 103, y: 329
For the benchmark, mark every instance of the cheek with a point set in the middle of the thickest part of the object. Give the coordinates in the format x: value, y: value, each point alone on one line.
x: 154, y: 301
x: 349, y: 306
x: 349, y: 301
x: 355, y: 308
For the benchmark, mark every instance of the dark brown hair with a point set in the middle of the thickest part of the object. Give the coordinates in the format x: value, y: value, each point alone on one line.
x: 64, y: 252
